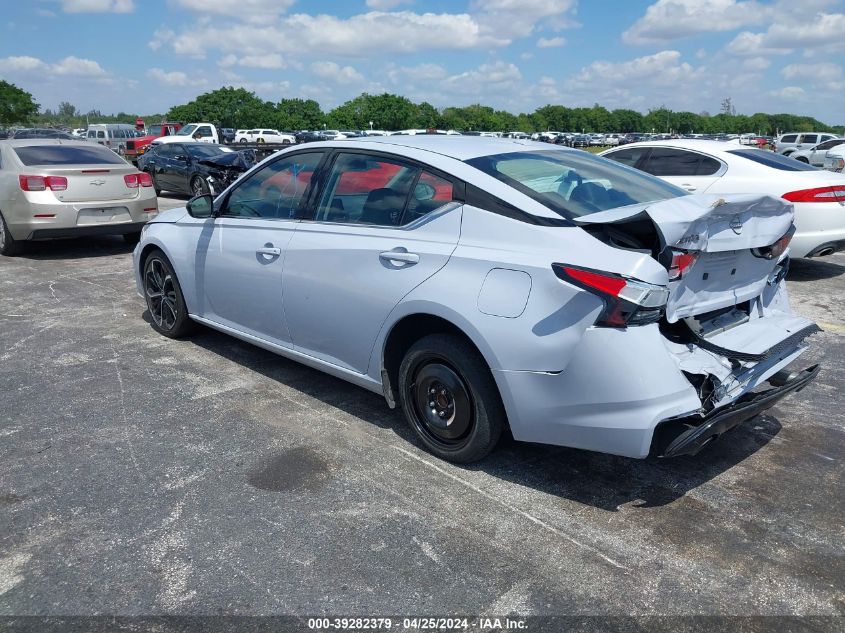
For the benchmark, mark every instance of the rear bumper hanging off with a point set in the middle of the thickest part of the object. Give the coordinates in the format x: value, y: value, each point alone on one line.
x: 688, y: 435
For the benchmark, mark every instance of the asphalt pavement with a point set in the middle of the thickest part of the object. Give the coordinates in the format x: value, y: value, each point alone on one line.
x: 140, y: 475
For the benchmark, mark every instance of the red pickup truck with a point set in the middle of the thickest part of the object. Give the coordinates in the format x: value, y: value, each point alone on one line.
x: 137, y: 146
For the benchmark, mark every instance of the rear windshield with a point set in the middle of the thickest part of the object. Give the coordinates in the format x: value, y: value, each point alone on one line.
x: 67, y: 155
x: 773, y: 160
x: 573, y: 184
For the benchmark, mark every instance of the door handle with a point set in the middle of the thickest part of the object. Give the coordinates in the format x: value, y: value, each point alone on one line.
x: 688, y: 187
x: 400, y: 256
x: 267, y: 250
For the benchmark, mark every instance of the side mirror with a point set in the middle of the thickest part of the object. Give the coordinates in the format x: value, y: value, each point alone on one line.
x: 201, y: 207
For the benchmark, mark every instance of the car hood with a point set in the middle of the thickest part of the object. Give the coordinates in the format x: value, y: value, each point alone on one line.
x: 171, y: 215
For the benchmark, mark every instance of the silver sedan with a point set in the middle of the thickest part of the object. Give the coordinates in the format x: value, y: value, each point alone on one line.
x: 56, y: 188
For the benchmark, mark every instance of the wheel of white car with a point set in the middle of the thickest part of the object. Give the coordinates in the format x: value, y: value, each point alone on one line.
x: 802, y: 159
x: 9, y: 246
x: 163, y: 294
x: 243, y: 140
x: 450, y: 399
x: 260, y: 140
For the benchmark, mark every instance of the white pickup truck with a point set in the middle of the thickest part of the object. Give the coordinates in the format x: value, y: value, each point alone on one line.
x: 192, y: 133
x: 264, y: 135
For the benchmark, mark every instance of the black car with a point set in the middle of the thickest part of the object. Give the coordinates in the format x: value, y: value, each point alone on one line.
x: 179, y: 166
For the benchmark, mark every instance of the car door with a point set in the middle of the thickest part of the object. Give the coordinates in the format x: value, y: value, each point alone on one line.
x: 819, y: 152
x: 692, y: 171
x: 178, y: 167
x: 164, y: 166
x: 381, y: 226
x: 243, y: 249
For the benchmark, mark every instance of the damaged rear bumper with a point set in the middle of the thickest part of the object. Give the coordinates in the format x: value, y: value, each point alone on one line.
x: 688, y: 435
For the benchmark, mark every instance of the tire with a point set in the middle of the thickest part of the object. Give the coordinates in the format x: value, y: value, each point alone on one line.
x: 447, y: 369
x: 132, y: 238
x: 169, y: 314
x: 9, y: 246
x: 243, y: 140
x: 260, y: 140
x: 802, y: 159
x: 199, y: 187
x: 156, y: 188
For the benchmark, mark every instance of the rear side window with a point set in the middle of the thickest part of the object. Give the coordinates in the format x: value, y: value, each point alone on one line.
x: 830, y: 144
x: 431, y: 192
x: 67, y: 155
x: 810, y: 138
x: 773, y: 160
x: 629, y: 156
x: 366, y: 190
x: 669, y: 161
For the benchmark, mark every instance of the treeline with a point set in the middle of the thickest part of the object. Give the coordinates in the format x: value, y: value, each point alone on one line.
x: 239, y: 108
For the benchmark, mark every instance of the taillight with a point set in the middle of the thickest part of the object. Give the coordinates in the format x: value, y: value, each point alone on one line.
x: 626, y: 301
x: 131, y: 180
x: 681, y: 263
x: 819, y: 194
x: 777, y: 249
x: 145, y: 179
x: 40, y: 183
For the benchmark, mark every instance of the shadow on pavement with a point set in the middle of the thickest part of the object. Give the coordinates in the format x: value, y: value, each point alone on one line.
x: 813, y: 269
x: 77, y: 248
x: 599, y: 480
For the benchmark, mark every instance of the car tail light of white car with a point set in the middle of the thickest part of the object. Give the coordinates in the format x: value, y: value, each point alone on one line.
x: 818, y: 194
x: 626, y: 301
x: 142, y: 179
x: 41, y: 183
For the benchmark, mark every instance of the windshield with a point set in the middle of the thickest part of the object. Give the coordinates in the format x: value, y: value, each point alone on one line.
x: 67, y: 155
x: 187, y: 130
x: 773, y: 160
x: 154, y: 130
x: 573, y: 184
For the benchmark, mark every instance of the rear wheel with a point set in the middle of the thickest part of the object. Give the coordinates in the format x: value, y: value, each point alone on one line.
x: 802, y: 159
x: 168, y: 312
x: 9, y: 246
x: 260, y: 140
x: 450, y: 399
x: 156, y: 188
x: 243, y: 140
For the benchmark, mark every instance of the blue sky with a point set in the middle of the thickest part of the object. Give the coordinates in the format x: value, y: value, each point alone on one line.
x: 143, y: 56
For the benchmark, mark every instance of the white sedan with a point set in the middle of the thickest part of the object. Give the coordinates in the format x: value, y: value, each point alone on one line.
x: 815, y: 155
x: 715, y: 167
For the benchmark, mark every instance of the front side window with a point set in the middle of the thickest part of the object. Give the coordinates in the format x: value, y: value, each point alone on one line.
x: 573, y: 184
x: 830, y: 144
x: 276, y: 190
x: 789, y: 138
x: 365, y: 189
x: 809, y: 138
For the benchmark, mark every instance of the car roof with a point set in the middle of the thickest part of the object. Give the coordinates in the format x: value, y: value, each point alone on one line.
x: 451, y: 145
x: 713, y: 147
x: 29, y: 142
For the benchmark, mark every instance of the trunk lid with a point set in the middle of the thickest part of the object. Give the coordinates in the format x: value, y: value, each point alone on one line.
x: 86, y: 183
x: 722, y: 231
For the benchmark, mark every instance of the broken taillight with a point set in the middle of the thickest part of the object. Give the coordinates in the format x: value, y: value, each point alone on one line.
x: 681, y: 263
x: 626, y: 301
x: 777, y: 249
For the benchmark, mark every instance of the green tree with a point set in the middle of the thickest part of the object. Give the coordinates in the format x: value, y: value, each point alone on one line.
x: 628, y: 120
x: 386, y: 111
x: 16, y: 105
x: 299, y: 114
x: 66, y: 110
x: 228, y: 107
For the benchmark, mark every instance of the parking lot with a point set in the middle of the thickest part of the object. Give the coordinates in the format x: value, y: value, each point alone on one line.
x: 141, y: 475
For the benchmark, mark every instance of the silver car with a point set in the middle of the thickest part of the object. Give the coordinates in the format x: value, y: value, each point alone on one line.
x: 482, y: 284
x: 51, y: 189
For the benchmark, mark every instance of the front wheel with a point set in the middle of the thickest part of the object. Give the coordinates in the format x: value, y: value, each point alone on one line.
x: 168, y: 312
x: 802, y: 159
x: 199, y: 187
x: 450, y: 399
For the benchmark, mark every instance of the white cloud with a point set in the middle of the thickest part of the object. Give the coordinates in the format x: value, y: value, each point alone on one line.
x: 550, y: 42
x: 334, y: 72
x: 273, y: 61
x: 414, y: 74
x: 69, y: 66
x: 486, y: 78
x: 673, y: 19
x: 663, y: 68
x: 825, y: 76
x: 98, y: 6
x: 176, y: 78
x: 78, y: 67
x: 519, y: 18
x: 789, y: 92
x: 386, y: 5
x: 247, y: 10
